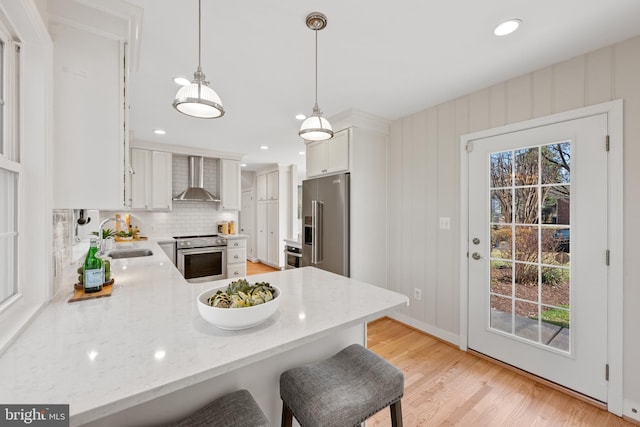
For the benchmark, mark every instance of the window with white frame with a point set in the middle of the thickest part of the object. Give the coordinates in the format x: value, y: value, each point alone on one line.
x: 10, y: 167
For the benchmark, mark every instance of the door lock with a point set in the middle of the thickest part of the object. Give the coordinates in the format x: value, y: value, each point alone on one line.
x: 476, y: 241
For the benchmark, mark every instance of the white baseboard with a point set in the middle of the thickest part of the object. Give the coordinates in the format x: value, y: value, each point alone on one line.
x: 425, y: 327
x: 628, y: 408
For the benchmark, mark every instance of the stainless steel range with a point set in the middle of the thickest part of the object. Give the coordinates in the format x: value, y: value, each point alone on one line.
x: 202, y: 258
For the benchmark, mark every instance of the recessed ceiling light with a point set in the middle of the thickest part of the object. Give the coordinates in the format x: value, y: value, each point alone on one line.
x: 182, y: 81
x: 264, y: 147
x: 159, y: 131
x: 302, y: 153
x: 300, y: 116
x: 507, y: 27
x: 243, y: 165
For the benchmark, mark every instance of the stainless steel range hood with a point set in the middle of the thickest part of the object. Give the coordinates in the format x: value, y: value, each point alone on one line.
x: 196, y: 192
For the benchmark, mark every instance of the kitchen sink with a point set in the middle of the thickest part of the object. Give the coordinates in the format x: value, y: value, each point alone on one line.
x: 129, y: 253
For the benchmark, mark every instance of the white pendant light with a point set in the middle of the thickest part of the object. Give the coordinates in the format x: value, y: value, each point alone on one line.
x: 316, y: 127
x: 198, y: 99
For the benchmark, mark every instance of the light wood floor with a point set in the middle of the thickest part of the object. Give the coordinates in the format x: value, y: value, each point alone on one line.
x: 258, y: 267
x: 445, y: 386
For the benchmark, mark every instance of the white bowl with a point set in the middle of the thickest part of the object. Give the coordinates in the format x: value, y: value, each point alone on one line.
x: 236, y: 318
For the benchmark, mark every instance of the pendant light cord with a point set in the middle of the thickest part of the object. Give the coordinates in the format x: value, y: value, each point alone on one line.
x: 199, y: 33
x: 316, y: 31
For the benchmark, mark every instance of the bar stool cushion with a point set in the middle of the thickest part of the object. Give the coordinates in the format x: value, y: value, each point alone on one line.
x: 343, y: 390
x: 237, y: 409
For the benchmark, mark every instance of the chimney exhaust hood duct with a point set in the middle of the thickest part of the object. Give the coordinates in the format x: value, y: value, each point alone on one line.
x: 196, y: 191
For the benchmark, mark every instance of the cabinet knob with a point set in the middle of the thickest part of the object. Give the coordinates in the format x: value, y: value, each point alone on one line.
x: 236, y: 272
x: 236, y: 256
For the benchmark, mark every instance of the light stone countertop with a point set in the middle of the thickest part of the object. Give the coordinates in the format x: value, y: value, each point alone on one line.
x: 147, y: 340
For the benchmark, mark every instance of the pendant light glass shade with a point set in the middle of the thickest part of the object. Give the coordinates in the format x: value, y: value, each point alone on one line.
x: 316, y: 127
x: 198, y: 99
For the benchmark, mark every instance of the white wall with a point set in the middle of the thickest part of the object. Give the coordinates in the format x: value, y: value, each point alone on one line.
x: 424, y: 183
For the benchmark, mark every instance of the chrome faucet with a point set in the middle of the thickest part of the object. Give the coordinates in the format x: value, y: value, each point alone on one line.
x: 101, y: 240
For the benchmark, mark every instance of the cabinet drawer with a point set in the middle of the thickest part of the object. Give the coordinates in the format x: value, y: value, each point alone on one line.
x: 236, y: 243
x: 236, y: 255
x: 236, y: 270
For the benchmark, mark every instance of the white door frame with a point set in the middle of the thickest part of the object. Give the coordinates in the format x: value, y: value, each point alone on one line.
x: 613, y: 109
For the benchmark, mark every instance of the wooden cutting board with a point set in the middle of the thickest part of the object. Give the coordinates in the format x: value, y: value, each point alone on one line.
x: 81, y: 295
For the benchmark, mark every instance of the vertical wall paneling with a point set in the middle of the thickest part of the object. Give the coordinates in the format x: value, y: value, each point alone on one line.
x: 417, y: 227
x: 406, y: 214
x: 479, y: 110
x: 497, y: 105
x: 430, y: 292
x: 626, y: 66
x: 446, y: 204
x: 569, y: 84
x: 519, y: 96
x: 394, y: 191
x: 542, y: 82
x: 598, y: 76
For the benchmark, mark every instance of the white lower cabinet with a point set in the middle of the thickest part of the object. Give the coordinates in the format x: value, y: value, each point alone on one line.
x: 236, y: 257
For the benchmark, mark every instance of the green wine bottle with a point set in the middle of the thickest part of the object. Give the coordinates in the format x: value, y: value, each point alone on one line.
x: 93, y: 269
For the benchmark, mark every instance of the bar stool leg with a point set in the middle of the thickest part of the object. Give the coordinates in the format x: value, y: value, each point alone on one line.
x: 396, y: 414
x: 287, y: 416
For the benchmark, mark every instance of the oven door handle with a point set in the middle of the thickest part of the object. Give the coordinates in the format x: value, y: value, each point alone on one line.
x: 207, y: 250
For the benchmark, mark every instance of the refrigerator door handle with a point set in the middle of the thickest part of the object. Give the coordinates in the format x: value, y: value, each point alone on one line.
x: 316, y: 234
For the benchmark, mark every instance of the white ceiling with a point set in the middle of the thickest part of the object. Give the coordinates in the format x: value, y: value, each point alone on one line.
x: 386, y: 58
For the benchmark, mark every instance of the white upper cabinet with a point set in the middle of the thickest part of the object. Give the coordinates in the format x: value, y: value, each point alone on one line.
x: 273, y: 185
x: 151, y: 181
x: 91, y: 62
x: 140, y: 170
x: 161, y: 180
x: 262, y: 187
x: 230, y: 195
x: 268, y: 186
x: 330, y: 156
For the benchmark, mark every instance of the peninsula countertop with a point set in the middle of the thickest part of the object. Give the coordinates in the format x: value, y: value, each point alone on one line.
x: 147, y: 340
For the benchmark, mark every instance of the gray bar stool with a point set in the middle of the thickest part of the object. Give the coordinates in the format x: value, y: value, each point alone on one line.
x: 237, y: 409
x: 342, y: 391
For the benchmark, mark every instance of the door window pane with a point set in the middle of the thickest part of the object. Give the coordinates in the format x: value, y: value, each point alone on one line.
x: 526, y: 166
x: 556, y: 163
x: 501, y: 169
x: 501, y: 278
x: 501, y: 206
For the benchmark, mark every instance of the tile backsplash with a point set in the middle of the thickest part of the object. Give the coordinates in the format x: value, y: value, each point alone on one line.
x: 186, y: 218
x: 63, y: 239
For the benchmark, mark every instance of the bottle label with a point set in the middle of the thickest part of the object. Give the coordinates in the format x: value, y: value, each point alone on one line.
x: 93, y: 279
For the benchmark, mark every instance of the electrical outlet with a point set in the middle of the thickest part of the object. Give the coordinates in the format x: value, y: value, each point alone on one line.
x: 417, y: 294
x: 445, y: 223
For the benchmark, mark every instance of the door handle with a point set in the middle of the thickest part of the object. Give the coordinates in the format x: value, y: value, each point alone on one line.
x: 477, y: 256
x: 316, y: 231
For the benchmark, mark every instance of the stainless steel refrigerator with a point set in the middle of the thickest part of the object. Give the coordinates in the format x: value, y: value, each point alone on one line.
x: 325, y: 223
